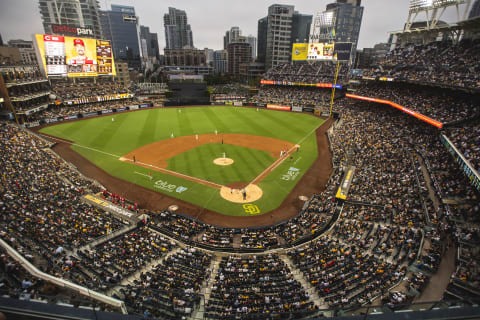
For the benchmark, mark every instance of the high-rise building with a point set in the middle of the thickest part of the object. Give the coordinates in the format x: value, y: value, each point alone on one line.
x: 27, y: 51
x: 262, y: 39
x: 340, y: 22
x: 231, y: 36
x: 301, y: 27
x: 209, y: 56
x: 71, y: 17
x: 220, y: 59
x: 239, y: 52
x: 278, y: 31
x: 178, y: 33
x: 185, y: 57
x: 253, y: 44
x: 121, y: 27
x: 149, y: 43
x: 475, y: 11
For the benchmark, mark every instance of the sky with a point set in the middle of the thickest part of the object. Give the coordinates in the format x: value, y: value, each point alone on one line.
x: 209, y: 19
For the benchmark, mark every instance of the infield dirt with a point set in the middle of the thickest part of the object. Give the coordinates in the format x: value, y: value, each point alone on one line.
x: 312, y: 182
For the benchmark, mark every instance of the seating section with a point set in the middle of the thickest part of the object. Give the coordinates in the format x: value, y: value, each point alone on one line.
x: 171, y: 289
x: 409, y: 204
x: 440, y: 62
x: 119, y: 258
x: 318, y: 72
x: 254, y: 287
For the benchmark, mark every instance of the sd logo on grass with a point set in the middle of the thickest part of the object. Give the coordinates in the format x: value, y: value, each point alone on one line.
x: 251, y: 208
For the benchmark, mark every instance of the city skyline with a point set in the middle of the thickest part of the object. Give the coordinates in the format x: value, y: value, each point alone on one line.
x: 380, y: 16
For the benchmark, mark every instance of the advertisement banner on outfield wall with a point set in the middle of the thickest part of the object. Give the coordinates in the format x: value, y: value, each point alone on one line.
x: 134, y: 107
x: 142, y: 106
x: 121, y: 109
x: 297, y: 109
x: 90, y: 114
x: 277, y: 107
x: 238, y: 104
x: 299, y: 51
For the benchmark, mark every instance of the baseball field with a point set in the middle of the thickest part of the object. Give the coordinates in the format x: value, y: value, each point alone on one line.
x: 230, y: 160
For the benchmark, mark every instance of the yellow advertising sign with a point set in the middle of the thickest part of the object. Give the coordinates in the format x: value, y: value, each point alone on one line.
x: 299, y: 51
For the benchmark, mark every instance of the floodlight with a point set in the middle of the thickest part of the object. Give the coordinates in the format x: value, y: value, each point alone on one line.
x: 327, y: 18
x: 420, y: 4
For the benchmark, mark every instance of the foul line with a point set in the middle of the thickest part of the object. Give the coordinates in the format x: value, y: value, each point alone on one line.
x: 173, y: 173
x: 279, y: 161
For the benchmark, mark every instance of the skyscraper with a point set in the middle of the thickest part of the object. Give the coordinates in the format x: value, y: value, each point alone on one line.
x: 340, y: 22
x: 475, y: 11
x: 239, y: 52
x: 301, y: 24
x: 252, y: 41
x: 149, y: 43
x: 262, y: 39
x: 220, y: 58
x: 121, y: 26
x: 231, y: 36
x: 64, y: 16
x: 178, y: 33
x: 278, y: 31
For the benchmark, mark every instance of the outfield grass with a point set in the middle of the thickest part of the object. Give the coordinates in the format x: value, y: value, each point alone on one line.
x: 102, y: 141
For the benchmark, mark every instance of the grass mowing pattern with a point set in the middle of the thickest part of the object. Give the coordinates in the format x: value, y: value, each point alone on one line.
x: 132, y: 130
x: 248, y: 163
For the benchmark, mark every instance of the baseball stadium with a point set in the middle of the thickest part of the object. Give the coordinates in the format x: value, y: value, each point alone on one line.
x: 329, y: 184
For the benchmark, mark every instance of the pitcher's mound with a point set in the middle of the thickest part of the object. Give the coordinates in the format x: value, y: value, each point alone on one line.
x: 253, y: 193
x: 223, y: 161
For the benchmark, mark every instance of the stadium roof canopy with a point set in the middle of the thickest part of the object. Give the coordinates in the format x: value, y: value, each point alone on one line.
x: 420, y: 30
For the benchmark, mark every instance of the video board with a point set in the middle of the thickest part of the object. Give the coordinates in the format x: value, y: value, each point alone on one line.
x: 74, y: 56
x: 320, y: 51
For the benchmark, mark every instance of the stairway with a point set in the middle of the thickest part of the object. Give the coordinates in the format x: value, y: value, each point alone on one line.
x: 207, y: 290
x: 129, y: 280
x: 298, y: 275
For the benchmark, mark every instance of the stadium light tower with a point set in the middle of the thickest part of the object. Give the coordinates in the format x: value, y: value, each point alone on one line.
x: 323, y: 26
x: 434, y: 9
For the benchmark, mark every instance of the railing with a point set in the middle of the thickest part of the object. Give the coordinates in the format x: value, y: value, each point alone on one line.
x: 61, y: 282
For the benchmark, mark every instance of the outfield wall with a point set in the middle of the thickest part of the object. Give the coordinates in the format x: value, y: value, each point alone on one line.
x: 85, y: 115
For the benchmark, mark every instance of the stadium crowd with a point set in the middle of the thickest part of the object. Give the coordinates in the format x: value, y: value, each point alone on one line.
x: 467, y: 140
x: 368, y: 245
x: 86, y: 88
x: 440, y: 62
x: 318, y: 72
x: 439, y: 104
x: 292, y: 96
x: 54, y: 112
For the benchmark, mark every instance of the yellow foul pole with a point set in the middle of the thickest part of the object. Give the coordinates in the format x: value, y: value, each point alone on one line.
x: 333, y: 90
